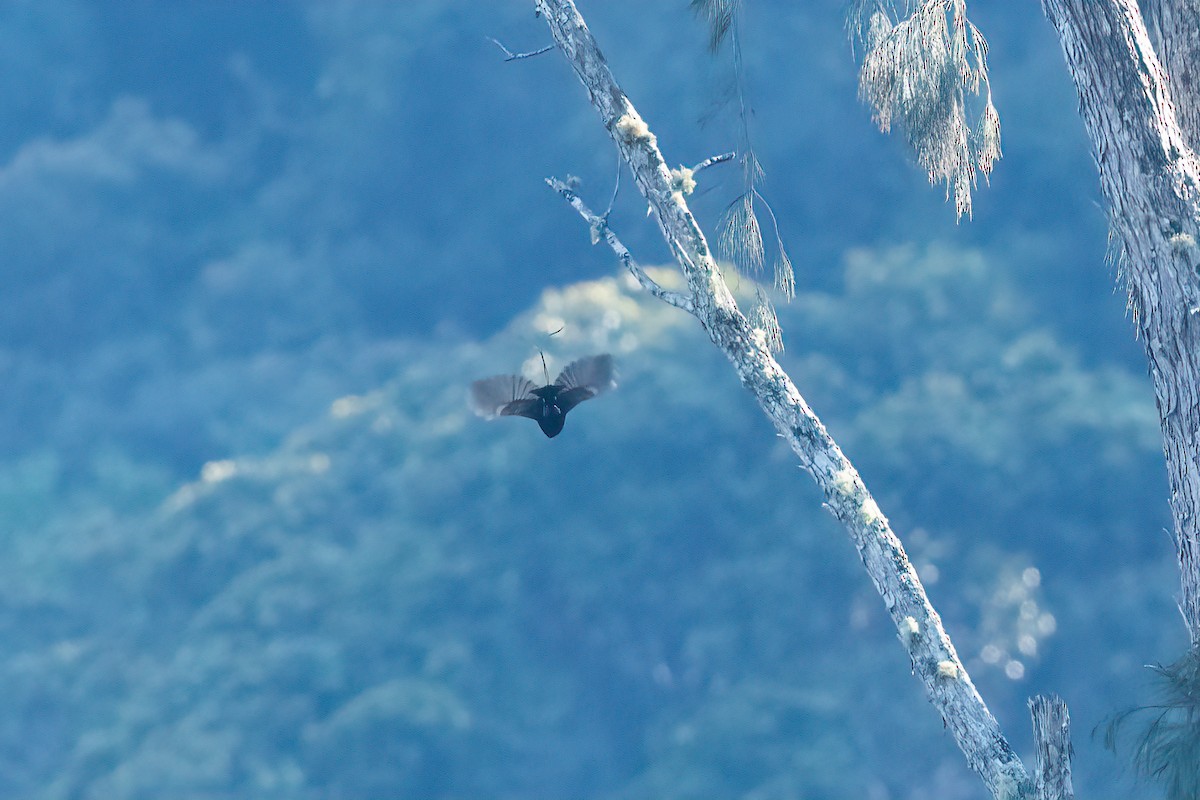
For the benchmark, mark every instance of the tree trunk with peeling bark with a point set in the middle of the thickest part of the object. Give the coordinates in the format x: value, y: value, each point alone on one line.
x: 1174, y: 27
x: 1144, y: 123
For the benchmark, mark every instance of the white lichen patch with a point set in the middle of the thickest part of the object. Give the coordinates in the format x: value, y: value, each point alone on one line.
x: 947, y: 669
x: 869, y: 511
x: 633, y: 128
x: 683, y: 180
x: 848, y: 485
x: 846, y: 482
x: 1182, y: 241
x: 910, y: 629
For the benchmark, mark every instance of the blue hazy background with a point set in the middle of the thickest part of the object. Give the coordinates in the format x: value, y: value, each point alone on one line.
x: 254, y: 545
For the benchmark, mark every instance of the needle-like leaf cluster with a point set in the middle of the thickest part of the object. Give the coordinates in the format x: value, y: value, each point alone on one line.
x: 740, y: 238
x: 1168, y: 748
x: 919, y: 74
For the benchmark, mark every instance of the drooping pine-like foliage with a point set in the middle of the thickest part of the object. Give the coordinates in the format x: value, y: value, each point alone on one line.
x: 740, y: 238
x: 1168, y: 747
x: 720, y: 15
x: 920, y: 74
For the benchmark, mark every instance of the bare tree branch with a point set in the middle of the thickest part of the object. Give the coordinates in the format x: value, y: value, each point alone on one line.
x: 713, y: 160
x: 599, y: 226
x: 511, y: 56
x: 919, y: 627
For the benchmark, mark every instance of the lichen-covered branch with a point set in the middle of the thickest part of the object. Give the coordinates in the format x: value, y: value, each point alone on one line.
x: 1052, y: 738
x: 1151, y: 178
x: 919, y: 627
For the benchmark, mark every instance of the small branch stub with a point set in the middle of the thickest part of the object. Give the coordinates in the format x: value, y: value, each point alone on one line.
x: 1052, y: 737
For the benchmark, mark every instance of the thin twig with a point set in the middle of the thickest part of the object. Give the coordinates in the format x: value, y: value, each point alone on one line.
x: 616, y: 186
x: 599, y: 225
x: 785, y: 279
x: 1052, y: 738
x: 714, y: 160
x: 511, y: 56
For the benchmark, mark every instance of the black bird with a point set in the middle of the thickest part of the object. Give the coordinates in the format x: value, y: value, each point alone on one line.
x: 512, y: 395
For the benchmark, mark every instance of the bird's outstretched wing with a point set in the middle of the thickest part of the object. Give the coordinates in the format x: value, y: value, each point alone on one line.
x: 503, y: 396
x: 584, y: 379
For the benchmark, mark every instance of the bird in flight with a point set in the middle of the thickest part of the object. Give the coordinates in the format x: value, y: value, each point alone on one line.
x: 513, y: 395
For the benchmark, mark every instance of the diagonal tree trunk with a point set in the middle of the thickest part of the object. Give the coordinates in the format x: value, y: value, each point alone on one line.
x: 920, y: 630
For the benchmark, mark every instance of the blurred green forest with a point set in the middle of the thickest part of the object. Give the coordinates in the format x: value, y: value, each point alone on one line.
x: 404, y: 601
x: 254, y: 545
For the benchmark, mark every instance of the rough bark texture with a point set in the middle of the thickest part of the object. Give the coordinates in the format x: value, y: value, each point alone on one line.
x: 1174, y: 27
x: 934, y: 660
x: 1052, y: 738
x: 1151, y: 180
